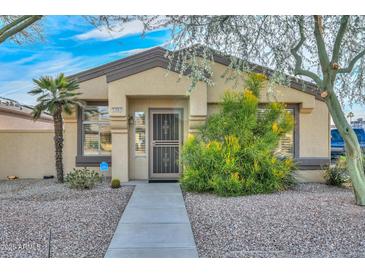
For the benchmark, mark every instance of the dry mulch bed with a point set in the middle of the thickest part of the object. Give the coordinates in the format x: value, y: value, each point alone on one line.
x: 82, y: 222
x: 311, y: 220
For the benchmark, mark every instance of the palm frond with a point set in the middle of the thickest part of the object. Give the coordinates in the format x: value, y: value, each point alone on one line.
x: 36, y: 91
x: 68, y: 108
x: 79, y: 103
x: 44, y: 82
x: 43, y: 97
x: 37, y: 111
x: 72, y: 85
x: 55, y: 92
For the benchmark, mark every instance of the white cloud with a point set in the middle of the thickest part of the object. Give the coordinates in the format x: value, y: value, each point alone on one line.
x: 16, y: 76
x: 129, y: 28
x: 125, y: 53
x: 17, y: 80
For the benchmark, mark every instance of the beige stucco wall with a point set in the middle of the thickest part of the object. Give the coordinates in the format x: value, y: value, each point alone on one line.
x: 315, y: 132
x: 94, y: 89
x: 26, y: 153
x: 268, y: 94
x: 156, y: 81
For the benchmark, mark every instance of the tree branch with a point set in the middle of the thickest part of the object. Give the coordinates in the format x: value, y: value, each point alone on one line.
x: 322, y: 53
x: 339, y: 37
x: 298, y: 70
x: 22, y: 24
x: 352, y: 63
x: 14, y: 23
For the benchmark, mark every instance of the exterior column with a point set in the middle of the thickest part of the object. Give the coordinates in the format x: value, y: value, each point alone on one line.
x: 119, y: 129
x: 198, y: 108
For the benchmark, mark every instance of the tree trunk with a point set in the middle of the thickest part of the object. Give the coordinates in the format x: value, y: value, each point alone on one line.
x: 58, y: 141
x: 354, y: 156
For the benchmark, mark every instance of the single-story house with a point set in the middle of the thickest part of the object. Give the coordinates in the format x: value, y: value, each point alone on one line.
x: 139, y: 113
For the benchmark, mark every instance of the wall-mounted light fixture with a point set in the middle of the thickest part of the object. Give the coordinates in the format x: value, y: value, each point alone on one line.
x: 130, y: 120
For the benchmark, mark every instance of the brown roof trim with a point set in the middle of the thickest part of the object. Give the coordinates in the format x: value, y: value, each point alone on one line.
x: 156, y: 57
x: 130, y: 65
x: 295, y: 83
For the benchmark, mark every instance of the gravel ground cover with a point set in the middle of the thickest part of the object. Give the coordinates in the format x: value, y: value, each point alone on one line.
x: 311, y: 220
x: 82, y: 222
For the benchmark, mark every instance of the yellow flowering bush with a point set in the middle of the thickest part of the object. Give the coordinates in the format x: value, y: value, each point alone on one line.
x: 233, y: 154
x: 275, y: 127
x: 255, y: 82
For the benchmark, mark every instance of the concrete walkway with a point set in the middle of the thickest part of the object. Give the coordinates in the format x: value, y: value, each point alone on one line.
x: 154, y: 224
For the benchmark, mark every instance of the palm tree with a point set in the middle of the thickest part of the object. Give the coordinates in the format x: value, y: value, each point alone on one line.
x: 56, y: 95
x: 350, y: 115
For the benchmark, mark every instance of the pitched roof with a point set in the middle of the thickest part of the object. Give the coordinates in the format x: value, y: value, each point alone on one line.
x: 156, y: 57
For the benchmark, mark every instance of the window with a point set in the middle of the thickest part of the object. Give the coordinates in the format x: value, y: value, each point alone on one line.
x: 96, y: 131
x: 286, y: 145
x: 140, y: 133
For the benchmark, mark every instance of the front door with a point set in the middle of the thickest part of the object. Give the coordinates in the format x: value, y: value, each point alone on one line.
x: 165, y: 143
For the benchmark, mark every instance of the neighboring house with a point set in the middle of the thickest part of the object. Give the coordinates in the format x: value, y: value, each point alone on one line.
x: 14, y: 116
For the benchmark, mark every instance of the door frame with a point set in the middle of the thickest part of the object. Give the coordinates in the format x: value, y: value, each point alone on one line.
x: 179, y: 111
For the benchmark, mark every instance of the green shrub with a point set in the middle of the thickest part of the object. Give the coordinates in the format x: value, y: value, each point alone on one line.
x: 115, y: 183
x: 82, y: 178
x: 337, y: 174
x: 234, y: 153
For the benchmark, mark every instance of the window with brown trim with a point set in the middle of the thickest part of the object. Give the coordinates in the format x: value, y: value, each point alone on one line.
x: 288, y: 144
x: 140, y: 133
x: 96, y: 133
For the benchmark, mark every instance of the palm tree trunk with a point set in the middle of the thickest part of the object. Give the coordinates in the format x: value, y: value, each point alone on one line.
x: 58, y: 141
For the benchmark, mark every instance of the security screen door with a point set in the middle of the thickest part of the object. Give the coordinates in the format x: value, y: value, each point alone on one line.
x: 165, y: 143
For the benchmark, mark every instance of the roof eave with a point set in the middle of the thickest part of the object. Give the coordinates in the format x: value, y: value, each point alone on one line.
x: 156, y: 57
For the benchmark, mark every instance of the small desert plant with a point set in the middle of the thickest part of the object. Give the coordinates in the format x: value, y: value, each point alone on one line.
x: 82, y: 178
x: 337, y: 174
x: 115, y: 183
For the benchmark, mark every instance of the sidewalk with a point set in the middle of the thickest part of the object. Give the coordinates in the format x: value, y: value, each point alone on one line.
x: 154, y: 224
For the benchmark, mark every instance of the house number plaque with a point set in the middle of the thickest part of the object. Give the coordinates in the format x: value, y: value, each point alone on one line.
x: 117, y: 109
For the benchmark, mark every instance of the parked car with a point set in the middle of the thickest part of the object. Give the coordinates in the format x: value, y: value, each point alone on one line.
x: 338, y: 145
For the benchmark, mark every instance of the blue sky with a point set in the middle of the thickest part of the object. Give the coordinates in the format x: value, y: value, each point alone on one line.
x: 70, y: 45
